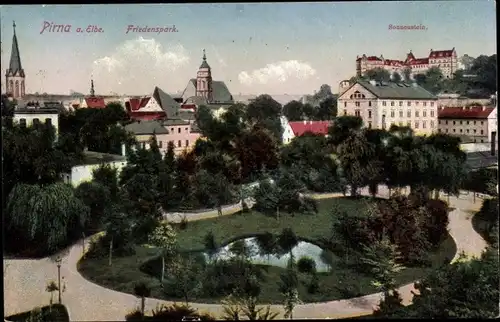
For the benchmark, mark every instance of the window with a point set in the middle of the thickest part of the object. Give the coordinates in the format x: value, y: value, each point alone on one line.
x: 423, y: 124
x: 369, y: 114
x: 400, y: 113
x: 357, y: 113
x: 409, y: 103
x: 22, y: 122
x: 172, y: 130
x: 48, y: 121
x: 369, y: 125
x: 432, y: 113
x: 187, y: 142
x: 416, y: 113
x: 467, y: 122
x: 345, y: 104
x: 179, y: 144
x: 178, y: 130
x: 453, y: 130
x: 432, y: 104
x: 186, y: 129
x: 460, y: 122
x: 392, y: 103
x: 400, y: 103
x: 425, y: 103
x: 392, y: 113
x: 461, y: 130
x: 416, y: 124
x: 467, y: 131
x: 345, y: 112
x: 446, y: 130
x: 432, y: 124
x: 482, y: 132
x: 454, y: 122
x: 357, y: 104
x: 36, y: 122
x: 474, y: 130
x: 446, y: 122
x: 160, y: 144
x: 370, y: 104
x: 424, y: 113
x: 416, y: 103
x: 474, y: 122
x: 482, y: 141
x: 384, y: 103
x: 439, y: 130
x: 482, y: 122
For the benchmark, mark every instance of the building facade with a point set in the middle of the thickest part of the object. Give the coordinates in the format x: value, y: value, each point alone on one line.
x: 33, y: 114
x: 287, y: 135
x: 382, y: 104
x: 445, y: 60
x: 183, y: 134
x: 15, y: 78
x: 477, y: 124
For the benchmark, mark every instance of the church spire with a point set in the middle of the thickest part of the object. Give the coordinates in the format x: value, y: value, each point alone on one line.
x: 92, y: 92
x: 204, y: 64
x: 15, y: 66
x: 204, y: 56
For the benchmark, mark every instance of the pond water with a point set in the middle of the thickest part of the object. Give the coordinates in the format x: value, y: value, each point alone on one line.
x: 303, y: 249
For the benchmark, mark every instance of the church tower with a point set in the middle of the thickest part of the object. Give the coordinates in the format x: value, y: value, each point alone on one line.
x: 204, y: 80
x: 92, y: 91
x: 14, y: 77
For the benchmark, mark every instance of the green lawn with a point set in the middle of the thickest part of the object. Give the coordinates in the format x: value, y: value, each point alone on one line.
x: 342, y: 282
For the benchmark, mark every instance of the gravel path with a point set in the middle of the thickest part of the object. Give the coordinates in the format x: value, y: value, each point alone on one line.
x: 25, y: 280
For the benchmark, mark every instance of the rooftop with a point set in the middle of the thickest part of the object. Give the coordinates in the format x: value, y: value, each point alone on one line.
x: 391, y: 90
x: 473, y: 112
x: 146, y: 127
x: 316, y: 127
x: 92, y: 157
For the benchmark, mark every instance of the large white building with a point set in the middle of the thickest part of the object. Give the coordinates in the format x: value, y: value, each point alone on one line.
x: 445, y: 60
x: 476, y: 123
x: 382, y: 104
x: 33, y: 113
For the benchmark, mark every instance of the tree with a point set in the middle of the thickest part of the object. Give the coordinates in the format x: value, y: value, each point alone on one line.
x: 235, y: 307
x: 378, y: 74
x: 240, y: 249
x: 266, y: 112
x: 45, y: 215
x: 343, y: 127
x: 183, y: 279
x: 293, y: 111
x: 267, y: 244
x: 288, y: 286
x: 287, y: 240
x: 118, y: 229
x: 107, y: 176
x: 96, y: 197
x: 142, y: 290
x: 327, y: 109
x: 210, y: 245
x: 51, y: 288
x: 164, y: 237
x: 212, y: 190
x: 396, y: 77
x: 484, y: 67
x: 407, y: 74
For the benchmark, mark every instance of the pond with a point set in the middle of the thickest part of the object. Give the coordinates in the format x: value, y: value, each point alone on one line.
x: 303, y: 249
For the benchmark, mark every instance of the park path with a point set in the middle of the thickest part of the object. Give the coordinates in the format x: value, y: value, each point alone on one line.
x: 25, y: 280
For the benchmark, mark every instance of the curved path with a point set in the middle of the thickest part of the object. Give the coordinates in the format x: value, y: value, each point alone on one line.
x: 25, y: 280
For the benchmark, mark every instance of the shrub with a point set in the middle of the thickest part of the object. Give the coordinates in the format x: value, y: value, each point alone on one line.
x: 306, y: 265
x: 313, y: 286
x: 176, y: 312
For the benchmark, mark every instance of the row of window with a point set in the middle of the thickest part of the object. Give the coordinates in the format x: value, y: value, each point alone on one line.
x: 461, y: 131
x: 401, y: 114
x: 384, y: 103
x: 186, y: 129
x: 36, y: 121
x: 160, y: 144
x: 461, y: 122
x: 408, y: 123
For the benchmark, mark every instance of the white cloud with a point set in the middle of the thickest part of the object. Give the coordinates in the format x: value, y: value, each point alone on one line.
x: 278, y: 72
x: 134, y: 59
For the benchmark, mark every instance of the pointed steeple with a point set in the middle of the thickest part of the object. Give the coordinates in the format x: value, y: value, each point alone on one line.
x: 92, y: 92
x: 15, y: 67
x: 204, y: 64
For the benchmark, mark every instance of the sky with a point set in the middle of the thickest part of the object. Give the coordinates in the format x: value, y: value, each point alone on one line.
x: 260, y: 48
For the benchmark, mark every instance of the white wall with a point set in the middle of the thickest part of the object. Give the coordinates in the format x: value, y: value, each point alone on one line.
x: 475, y: 147
x: 83, y: 173
x: 288, y: 135
x: 29, y: 117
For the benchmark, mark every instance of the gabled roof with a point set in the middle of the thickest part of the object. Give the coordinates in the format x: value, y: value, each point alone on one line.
x: 95, y: 102
x: 476, y: 112
x: 441, y: 53
x: 316, y: 127
x: 146, y: 127
x: 391, y: 62
x: 137, y: 103
x: 390, y: 90
x: 196, y: 100
x: 220, y: 92
x: 419, y: 61
x: 167, y: 103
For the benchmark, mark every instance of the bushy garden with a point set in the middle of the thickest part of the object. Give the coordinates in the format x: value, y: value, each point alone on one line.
x: 52, y: 313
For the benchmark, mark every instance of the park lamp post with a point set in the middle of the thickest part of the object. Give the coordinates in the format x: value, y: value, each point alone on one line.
x: 58, y: 262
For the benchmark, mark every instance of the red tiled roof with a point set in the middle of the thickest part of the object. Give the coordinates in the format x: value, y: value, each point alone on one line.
x: 392, y: 62
x: 316, y: 127
x: 138, y: 103
x: 409, y: 56
x: 419, y: 61
x: 476, y: 112
x: 441, y: 53
x: 372, y: 58
x: 95, y: 102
